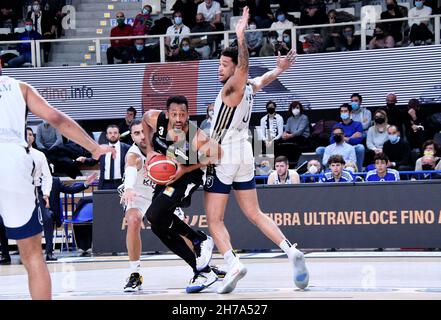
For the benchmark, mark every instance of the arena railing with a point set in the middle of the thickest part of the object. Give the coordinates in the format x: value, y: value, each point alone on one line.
x: 365, y: 27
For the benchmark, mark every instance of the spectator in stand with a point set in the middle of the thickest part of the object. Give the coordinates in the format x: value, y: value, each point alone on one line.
x: 339, y: 147
x: 25, y: 48
x: 396, y: 115
x: 176, y: 34
x: 381, y: 39
x: 10, y: 11
x: 376, y: 136
x: 254, y: 39
x: 121, y: 48
x: 415, y: 124
x: 349, y: 41
x: 290, y: 5
x: 313, y: 14
x: 331, y: 36
x: 313, y: 167
x: 429, y: 163
x: 270, y: 43
x: 187, y: 52
x: 430, y: 148
x: 286, y: 44
x: 336, y: 174
x: 282, y: 23
x: 202, y: 44
x: 188, y: 8
x: 45, y: 24
x: 359, y: 113
x: 381, y: 171
x: 353, y: 134
x: 282, y: 174
x: 419, y: 24
x: 47, y: 138
x: 297, y: 127
x: 271, y: 128
x: 397, y: 150
x: 394, y: 11
x: 124, y: 126
x: 206, y: 124
x: 143, y: 21
x: 212, y: 13
x: 238, y: 6
x: 264, y: 16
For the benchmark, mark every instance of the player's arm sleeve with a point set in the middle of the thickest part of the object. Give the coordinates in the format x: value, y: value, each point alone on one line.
x: 46, y: 178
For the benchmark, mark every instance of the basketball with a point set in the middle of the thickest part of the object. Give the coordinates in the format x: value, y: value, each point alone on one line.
x: 160, y: 169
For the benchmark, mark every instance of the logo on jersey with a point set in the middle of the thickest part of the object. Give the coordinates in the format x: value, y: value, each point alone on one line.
x: 169, y: 191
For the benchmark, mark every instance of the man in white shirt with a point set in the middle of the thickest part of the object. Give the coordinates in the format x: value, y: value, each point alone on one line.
x: 212, y: 13
x: 271, y: 128
x: 281, y: 24
x: 419, y: 30
x: 339, y: 147
x: 282, y: 174
x: 175, y: 33
x: 43, y: 181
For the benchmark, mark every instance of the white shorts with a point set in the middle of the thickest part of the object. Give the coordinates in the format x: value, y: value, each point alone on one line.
x: 18, y: 203
x: 237, y: 163
x: 141, y: 203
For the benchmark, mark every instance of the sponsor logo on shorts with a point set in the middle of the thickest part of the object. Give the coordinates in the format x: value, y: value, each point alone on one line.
x: 169, y: 191
x: 209, y: 182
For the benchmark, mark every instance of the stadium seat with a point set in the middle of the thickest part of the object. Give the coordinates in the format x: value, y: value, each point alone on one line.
x: 5, y: 30
x: 19, y: 30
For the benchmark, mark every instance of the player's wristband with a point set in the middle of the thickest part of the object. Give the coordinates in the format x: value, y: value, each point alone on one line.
x: 130, y: 177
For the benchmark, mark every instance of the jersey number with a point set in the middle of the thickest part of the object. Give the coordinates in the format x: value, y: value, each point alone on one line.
x: 161, y: 131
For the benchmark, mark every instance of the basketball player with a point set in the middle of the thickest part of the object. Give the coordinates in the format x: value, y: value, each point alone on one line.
x: 232, y: 113
x: 18, y: 202
x: 171, y: 137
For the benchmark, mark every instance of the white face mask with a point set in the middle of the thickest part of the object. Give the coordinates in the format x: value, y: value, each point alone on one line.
x: 313, y: 169
x: 295, y: 112
x: 252, y: 27
x: 211, y: 113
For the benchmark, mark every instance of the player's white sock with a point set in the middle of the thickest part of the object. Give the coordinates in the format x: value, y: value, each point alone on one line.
x: 135, y: 266
x: 285, y: 245
x: 230, y: 258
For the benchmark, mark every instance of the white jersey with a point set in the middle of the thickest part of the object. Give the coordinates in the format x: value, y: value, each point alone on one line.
x: 231, y: 125
x: 12, y: 112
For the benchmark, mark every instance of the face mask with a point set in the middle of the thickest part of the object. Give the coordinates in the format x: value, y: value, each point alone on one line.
x: 419, y: 4
x: 427, y: 167
x: 186, y: 48
x: 380, y: 120
x: 390, y: 6
x: 36, y: 7
x: 178, y: 20
x: 355, y: 105
x: 344, y: 116
x: 347, y: 34
x: 145, y: 11
x: 28, y: 28
x: 139, y: 47
x: 313, y: 169
x: 253, y: 27
x: 273, y: 40
x: 379, y: 35
x: 281, y: 17
x: 295, y: 112
x: 394, y: 138
x: 390, y: 105
x: 286, y: 39
x: 338, y: 138
x: 271, y: 110
x: 120, y: 21
x: 429, y: 153
x: 211, y: 113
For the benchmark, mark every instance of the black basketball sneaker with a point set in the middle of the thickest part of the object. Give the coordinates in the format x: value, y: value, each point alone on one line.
x: 133, y: 283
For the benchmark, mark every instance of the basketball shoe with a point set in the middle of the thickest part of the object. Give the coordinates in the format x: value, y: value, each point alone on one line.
x: 301, y: 274
x: 237, y: 272
x: 200, y: 281
x: 204, y: 251
x: 133, y: 283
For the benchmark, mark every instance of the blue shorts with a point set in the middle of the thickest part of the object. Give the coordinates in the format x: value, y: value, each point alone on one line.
x: 214, y: 185
x: 33, y: 227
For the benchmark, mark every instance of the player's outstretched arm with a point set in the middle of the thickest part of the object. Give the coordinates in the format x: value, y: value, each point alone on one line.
x: 62, y: 122
x: 233, y: 91
x: 283, y: 64
x: 149, y: 121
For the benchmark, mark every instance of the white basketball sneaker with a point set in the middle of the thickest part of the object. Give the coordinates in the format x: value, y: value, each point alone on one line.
x: 301, y: 274
x: 204, y: 252
x: 237, y: 272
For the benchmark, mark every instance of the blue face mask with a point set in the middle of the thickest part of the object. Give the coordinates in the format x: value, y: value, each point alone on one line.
x: 145, y: 11
x: 139, y: 47
x: 393, y: 138
x: 186, y: 48
x: 355, y: 105
x: 281, y: 17
x: 344, y: 116
x: 178, y: 20
x: 286, y: 39
x: 419, y: 4
x: 28, y: 28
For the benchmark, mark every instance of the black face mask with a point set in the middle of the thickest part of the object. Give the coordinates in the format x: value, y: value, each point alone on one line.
x: 390, y: 6
x: 427, y: 167
x: 390, y: 105
x: 379, y: 35
x: 338, y: 138
x: 271, y: 110
x: 380, y: 120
